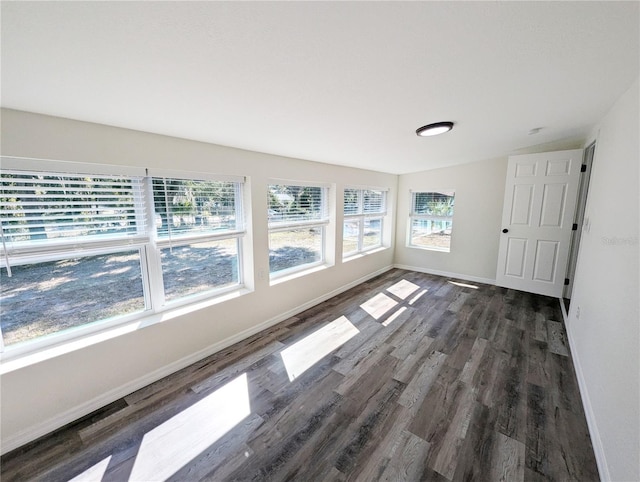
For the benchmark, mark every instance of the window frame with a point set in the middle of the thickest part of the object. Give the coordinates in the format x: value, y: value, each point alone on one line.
x: 145, y: 240
x: 361, y: 216
x: 413, y: 216
x: 289, y: 225
x: 157, y: 244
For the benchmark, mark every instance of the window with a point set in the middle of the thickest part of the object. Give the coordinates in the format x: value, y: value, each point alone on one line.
x: 364, y: 211
x: 431, y: 220
x: 298, y: 215
x: 198, y: 226
x: 81, y: 249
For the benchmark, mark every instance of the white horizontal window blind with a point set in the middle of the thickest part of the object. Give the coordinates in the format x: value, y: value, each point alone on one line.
x: 294, y: 204
x: 364, y: 201
x: 185, y: 207
x: 352, y: 204
x: 373, y: 202
x: 38, y: 206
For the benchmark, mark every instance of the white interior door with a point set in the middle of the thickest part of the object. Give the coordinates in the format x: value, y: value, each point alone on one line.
x: 537, y: 218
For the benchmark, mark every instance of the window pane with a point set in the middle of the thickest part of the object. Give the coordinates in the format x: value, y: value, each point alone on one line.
x: 186, y: 206
x: 350, y: 236
x: 36, y: 207
x: 295, y: 247
x: 429, y: 233
x: 44, y: 298
x: 289, y: 203
x: 434, y: 203
x: 199, y: 267
x: 372, y: 233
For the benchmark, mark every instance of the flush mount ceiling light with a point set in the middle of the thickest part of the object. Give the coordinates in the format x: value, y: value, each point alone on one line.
x: 434, y: 129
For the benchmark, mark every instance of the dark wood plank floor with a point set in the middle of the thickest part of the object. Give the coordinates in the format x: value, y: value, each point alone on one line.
x: 406, y: 377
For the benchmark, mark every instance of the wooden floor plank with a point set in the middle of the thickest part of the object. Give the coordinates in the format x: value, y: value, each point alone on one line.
x: 447, y: 452
x: 422, y: 378
x: 508, y: 461
x: 237, y: 368
x: 406, y: 369
x: 477, y: 449
x: 557, y: 339
x: 380, y: 457
x: 407, y: 457
x: 420, y: 384
x: 472, y: 365
x: 368, y: 426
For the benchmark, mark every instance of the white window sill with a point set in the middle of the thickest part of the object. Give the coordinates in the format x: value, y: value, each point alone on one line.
x: 283, y: 278
x: 429, y: 248
x: 362, y: 254
x: 12, y: 360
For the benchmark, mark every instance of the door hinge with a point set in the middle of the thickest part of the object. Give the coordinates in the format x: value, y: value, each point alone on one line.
x: 574, y: 227
x: 583, y: 168
x: 566, y: 281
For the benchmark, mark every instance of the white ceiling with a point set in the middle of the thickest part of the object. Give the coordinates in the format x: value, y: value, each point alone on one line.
x: 339, y: 82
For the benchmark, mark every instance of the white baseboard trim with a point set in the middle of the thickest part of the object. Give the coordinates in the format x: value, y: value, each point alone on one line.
x: 596, y: 441
x: 447, y: 274
x: 32, y: 433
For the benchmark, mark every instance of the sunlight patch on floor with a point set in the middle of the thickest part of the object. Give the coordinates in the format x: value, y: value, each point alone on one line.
x: 463, y: 285
x: 417, y: 297
x: 378, y: 305
x: 389, y: 320
x: 403, y: 288
x: 173, y: 444
x: 305, y: 353
x: 93, y: 473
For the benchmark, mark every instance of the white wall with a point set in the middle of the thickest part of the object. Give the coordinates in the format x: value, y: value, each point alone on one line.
x: 605, y: 335
x: 42, y: 393
x: 479, y: 189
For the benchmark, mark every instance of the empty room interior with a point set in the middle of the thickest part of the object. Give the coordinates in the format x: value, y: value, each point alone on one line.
x: 320, y: 241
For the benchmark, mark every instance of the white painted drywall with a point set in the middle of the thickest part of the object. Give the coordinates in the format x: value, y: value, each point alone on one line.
x: 42, y: 395
x: 605, y: 336
x: 479, y: 188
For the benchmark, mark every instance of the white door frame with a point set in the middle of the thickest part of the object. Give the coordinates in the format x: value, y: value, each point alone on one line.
x: 587, y: 163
